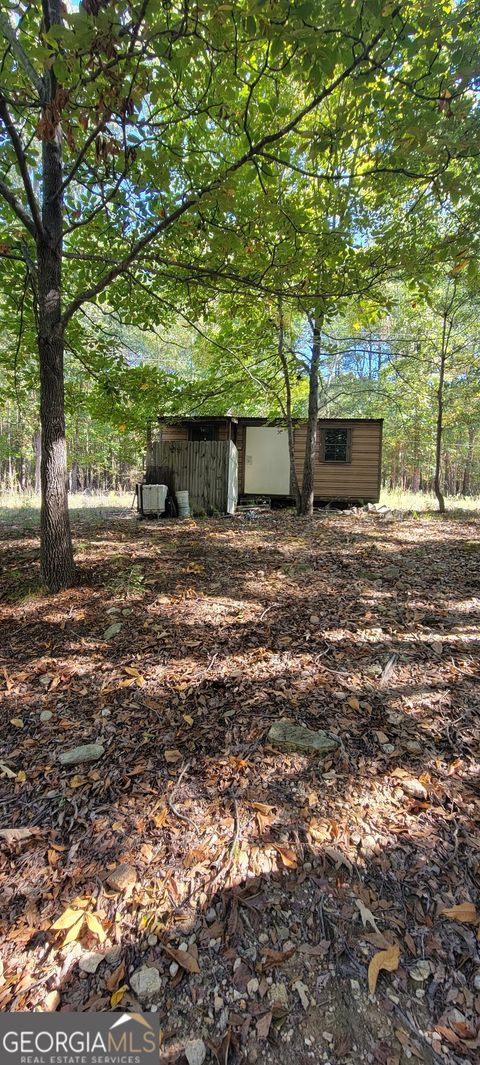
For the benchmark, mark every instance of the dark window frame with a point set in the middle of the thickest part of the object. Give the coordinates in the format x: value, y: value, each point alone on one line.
x: 324, y: 445
x: 206, y: 433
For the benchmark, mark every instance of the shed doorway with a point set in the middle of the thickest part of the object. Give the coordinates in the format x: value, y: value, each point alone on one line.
x: 267, y: 461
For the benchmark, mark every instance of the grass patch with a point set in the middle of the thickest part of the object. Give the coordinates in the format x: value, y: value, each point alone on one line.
x: 422, y: 502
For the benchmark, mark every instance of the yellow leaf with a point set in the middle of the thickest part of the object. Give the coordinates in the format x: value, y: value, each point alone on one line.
x: 465, y: 912
x: 118, y: 995
x: 17, y: 721
x: 77, y: 781
x: 74, y: 932
x: 67, y: 919
x: 21, y: 777
x: 188, y: 718
x: 160, y: 818
x: 353, y: 703
x: 95, y: 926
x: 384, y: 959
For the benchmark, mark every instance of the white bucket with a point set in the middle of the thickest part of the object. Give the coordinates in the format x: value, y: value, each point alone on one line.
x: 183, y: 504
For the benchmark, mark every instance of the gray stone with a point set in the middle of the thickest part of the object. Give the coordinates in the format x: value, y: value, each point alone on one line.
x: 46, y: 715
x: 290, y: 737
x: 195, y: 1052
x: 414, y: 788
x: 90, y: 961
x: 113, y: 955
x: 145, y: 983
x: 112, y: 630
x: 420, y: 972
x: 278, y: 993
x: 152, y: 939
x: 87, y: 752
x: 122, y: 878
x: 476, y: 981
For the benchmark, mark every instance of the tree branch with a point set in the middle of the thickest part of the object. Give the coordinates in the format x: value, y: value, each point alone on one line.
x: 195, y: 198
x: 8, y: 32
x: 17, y: 208
x: 22, y: 165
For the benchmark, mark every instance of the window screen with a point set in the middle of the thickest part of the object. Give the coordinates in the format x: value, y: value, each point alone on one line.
x: 335, y: 445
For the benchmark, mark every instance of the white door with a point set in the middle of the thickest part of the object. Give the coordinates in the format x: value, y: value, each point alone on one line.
x: 267, y: 462
x: 232, y: 483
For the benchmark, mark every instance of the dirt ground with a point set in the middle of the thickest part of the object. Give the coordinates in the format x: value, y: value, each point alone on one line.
x: 265, y: 890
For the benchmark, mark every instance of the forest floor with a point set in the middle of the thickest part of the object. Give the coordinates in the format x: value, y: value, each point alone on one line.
x: 263, y: 890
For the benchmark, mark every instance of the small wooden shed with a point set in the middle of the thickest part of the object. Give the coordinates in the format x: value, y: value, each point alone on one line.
x: 221, y: 460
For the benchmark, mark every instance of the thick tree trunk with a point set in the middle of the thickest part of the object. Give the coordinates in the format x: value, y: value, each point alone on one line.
x: 438, y: 448
x: 311, y: 441
x: 57, y: 566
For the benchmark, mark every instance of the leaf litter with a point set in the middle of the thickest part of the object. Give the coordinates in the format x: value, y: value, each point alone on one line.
x: 297, y: 907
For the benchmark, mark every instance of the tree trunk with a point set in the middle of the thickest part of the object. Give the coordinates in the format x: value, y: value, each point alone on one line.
x: 438, y: 449
x: 467, y: 472
x: 311, y: 441
x: 56, y: 553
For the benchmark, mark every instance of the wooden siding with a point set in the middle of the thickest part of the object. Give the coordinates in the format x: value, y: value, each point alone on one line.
x: 199, y: 467
x: 357, y: 479
x: 180, y: 431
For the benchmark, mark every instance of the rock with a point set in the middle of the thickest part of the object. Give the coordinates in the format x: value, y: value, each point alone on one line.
x: 195, y: 1052
x: 106, y: 712
x: 420, y: 972
x: 414, y: 788
x: 278, y: 993
x: 174, y: 967
x: 252, y: 986
x: 145, y: 983
x: 113, y: 956
x: 90, y: 961
x: 476, y: 981
x: 87, y: 752
x: 51, y: 1002
x: 211, y: 915
x: 314, y: 619
x: 122, y: 878
x: 46, y: 715
x: 413, y: 746
x: 112, y: 630
x: 152, y: 939
x: 287, y: 736
x: 388, y: 748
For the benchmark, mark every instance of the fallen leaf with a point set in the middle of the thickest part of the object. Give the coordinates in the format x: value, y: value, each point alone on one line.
x: 118, y: 995
x: 172, y: 757
x: 366, y: 915
x: 465, y: 912
x: 263, y: 1025
x: 68, y: 918
x: 384, y: 959
x: 288, y: 856
x: 17, y: 721
x: 184, y: 959
x: 114, y: 979
x: 95, y: 926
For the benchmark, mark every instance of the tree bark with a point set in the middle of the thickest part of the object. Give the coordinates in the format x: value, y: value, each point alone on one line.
x: 56, y: 552
x: 312, y: 430
x: 37, y: 451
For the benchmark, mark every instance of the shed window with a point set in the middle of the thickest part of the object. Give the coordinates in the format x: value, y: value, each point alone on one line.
x: 335, y: 445
x: 203, y: 432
